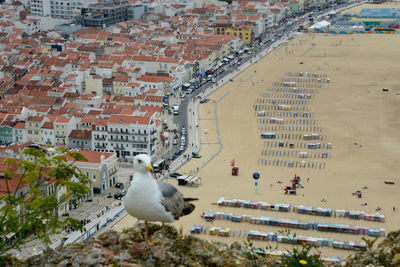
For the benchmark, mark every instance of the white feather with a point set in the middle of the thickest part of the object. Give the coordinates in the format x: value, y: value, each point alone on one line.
x: 143, y: 199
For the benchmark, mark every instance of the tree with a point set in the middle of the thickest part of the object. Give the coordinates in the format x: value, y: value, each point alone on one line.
x: 32, y: 213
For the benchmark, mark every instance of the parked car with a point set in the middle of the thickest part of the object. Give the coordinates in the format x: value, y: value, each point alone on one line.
x: 177, y: 153
x: 109, y: 195
x: 119, y: 185
x: 175, y: 142
x: 119, y: 195
x: 205, y: 100
x: 174, y: 174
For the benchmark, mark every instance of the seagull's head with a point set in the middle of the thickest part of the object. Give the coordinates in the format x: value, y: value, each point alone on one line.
x: 142, y: 163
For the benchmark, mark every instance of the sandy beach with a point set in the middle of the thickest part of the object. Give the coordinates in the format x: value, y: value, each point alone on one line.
x: 353, y: 113
x: 357, y: 9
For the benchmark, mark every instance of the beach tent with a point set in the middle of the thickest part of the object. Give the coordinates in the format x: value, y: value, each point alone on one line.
x: 320, y: 25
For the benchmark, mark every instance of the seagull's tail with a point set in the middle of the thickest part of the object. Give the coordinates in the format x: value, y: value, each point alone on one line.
x: 188, y: 208
x: 190, y: 199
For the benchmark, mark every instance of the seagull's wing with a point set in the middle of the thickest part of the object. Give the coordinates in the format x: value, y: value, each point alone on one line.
x: 171, y: 199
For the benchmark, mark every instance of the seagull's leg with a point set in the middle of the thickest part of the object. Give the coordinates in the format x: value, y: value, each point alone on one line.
x: 147, y: 233
x: 163, y: 236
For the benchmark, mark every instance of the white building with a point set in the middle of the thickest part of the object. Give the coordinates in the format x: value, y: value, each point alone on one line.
x: 58, y: 9
x: 40, y: 7
x: 126, y: 136
x: 88, y: 102
x: 48, y: 134
x: 63, y: 126
x: 19, y: 133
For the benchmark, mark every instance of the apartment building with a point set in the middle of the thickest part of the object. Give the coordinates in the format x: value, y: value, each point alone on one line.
x: 58, y: 9
x: 107, y: 13
x: 33, y: 129
x: 48, y: 136
x: 126, y: 136
x: 100, y: 168
x: 6, y: 132
x: 80, y: 139
x: 63, y: 126
x: 19, y: 133
x: 242, y: 30
x: 40, y: 7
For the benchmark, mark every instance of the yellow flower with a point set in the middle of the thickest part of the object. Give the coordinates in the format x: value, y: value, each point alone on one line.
x: 303, y: 262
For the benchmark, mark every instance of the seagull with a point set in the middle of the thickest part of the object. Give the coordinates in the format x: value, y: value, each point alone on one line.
x: 151, y: 200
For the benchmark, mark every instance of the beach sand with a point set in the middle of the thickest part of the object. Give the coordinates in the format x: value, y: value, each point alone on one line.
x: 351, y: 109
x: 357, y: 9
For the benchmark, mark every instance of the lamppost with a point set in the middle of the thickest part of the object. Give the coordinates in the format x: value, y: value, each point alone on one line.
x: 256, y: 176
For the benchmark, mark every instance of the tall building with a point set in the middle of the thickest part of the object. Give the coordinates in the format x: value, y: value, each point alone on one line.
x: 40, y: 7
x: 59, y: 9
x: 110, y: 12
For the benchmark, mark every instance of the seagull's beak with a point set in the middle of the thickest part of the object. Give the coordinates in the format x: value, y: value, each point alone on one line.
x: 149, y: 168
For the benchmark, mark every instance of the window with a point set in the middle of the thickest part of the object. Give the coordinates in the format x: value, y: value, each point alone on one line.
x: 36, y: 132
x: 29, y: 131
x: 94, y: 177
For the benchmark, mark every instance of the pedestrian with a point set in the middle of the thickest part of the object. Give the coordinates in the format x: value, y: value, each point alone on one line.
x: 308, y: 179
x: 394, y: 208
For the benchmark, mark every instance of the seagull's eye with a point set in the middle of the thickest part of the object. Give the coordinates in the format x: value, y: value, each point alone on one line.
x: 139, y: 161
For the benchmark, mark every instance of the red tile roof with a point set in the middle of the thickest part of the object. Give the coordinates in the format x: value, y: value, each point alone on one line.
x: 92, y: 156
x: 121, y: 119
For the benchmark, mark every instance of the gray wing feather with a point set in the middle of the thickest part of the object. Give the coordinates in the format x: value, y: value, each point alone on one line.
x: 172, y: 199
x: 167, y: 189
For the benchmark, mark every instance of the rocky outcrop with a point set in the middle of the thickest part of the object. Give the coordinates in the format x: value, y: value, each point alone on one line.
x: 386, y: 254
x: 130, y: 249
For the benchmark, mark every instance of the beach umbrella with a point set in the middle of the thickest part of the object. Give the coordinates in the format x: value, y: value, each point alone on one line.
x: 256, y: 176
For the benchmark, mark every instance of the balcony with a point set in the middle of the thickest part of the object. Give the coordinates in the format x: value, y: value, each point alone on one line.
x: 112, y: 172
x: 128, y: 141
x: 60, y: 136
x: 119, y: 140
x: 127, y: 132
x: 100, y: 146
x: 100, y: 138
x: 153, y: 131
